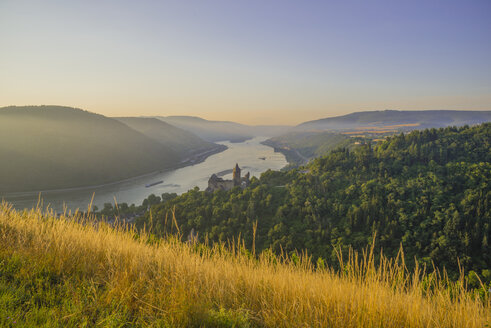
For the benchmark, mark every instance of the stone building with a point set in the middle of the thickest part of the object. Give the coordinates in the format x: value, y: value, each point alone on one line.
x: 217, y: 183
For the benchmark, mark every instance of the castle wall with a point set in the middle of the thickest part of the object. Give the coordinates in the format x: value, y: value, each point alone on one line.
x: 216, y: 183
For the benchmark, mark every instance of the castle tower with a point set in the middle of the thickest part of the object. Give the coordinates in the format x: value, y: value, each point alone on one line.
x: 236, y: 175
x: 246, y: 179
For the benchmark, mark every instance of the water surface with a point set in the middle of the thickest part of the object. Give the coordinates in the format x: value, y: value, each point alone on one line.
x: 251, y: 156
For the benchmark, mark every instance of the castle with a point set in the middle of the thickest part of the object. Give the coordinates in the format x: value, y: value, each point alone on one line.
x: 216, y: 183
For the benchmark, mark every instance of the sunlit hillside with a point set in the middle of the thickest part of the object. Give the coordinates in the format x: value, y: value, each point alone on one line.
x: 71, y: 271
x: 399, y: 120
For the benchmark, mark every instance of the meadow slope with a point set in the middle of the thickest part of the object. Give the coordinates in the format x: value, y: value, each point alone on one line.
x: 72, y: 271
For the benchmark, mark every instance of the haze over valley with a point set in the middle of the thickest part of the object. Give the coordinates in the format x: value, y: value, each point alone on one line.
x: 245, y: 164
x: 51, y: 147
x: 54, y: 147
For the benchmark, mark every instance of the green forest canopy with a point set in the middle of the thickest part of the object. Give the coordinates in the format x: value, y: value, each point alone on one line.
x: 428, y: 191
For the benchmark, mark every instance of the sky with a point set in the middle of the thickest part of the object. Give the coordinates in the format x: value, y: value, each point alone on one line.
x: 254, y: 61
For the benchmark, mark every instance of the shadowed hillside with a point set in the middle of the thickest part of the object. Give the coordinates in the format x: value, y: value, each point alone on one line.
x: 210, y: 130
x: 178, y: 139
x: 50, y: 147
x: 223, y: 130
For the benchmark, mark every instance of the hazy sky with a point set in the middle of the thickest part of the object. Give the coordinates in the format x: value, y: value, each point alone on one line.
x: 251, y: 61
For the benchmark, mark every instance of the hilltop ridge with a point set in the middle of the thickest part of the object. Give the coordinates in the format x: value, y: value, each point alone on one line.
x: 222, y: 130
x: 176, y: 138
x: 408, y: 120
x: 55, y: 147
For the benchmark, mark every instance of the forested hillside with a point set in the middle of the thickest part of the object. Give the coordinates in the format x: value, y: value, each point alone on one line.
x: 428, y: 191
x: 50, y: 147
x: 179, y: 140
x: 74, y: 271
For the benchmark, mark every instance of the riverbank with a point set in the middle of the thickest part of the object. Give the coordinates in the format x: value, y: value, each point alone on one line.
x: 239, y: 139
x: 191, y: 160
x: 200, y: 157
x: 191, y: 172
x: 293, y: 157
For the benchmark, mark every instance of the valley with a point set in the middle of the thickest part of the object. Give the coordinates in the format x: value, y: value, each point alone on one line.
x: 313, y: 197
x: 175, y: 180
x: 245, y: 164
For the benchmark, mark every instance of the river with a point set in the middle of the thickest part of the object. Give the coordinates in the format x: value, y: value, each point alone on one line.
x: 251, y: 156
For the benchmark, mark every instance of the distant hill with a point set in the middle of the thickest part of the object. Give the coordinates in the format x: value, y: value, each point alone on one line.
x: 210, y: 130
x: 316, y: 138
x: 400, y: 120
x: 178, y: 139
x: 222, y: 130
x: 51, y: 147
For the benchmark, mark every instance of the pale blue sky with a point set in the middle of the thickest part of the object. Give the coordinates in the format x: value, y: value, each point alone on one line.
x: 248, y: 61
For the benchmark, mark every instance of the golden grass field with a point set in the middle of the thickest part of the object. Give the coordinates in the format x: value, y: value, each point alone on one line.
x: 72, y: 271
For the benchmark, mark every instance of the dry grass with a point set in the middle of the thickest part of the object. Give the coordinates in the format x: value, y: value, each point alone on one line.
x: 168, y: 283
